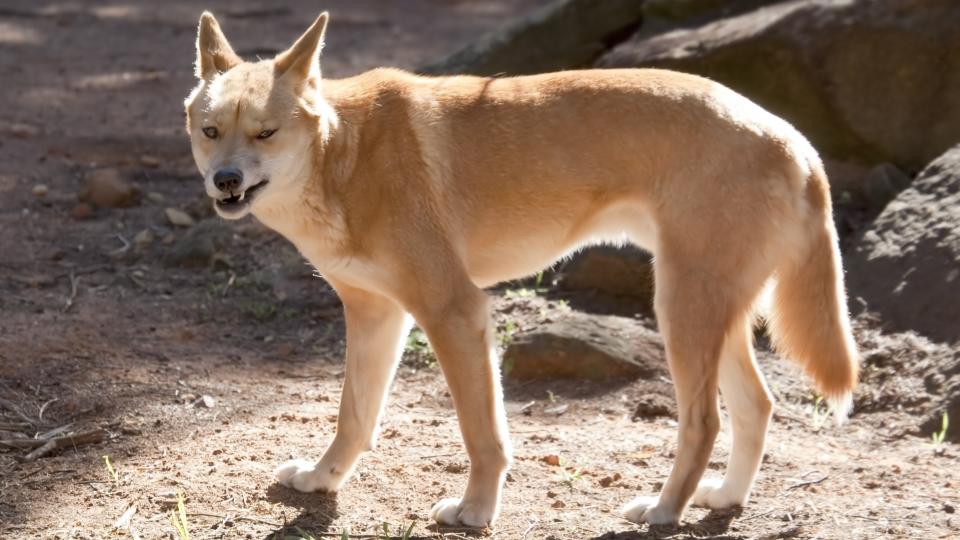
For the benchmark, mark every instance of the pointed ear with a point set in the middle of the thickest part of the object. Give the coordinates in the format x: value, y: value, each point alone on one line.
x: 302, y: 60
x: 214, y: 54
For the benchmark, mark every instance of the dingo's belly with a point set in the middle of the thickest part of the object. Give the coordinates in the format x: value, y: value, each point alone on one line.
x: 527, y: 248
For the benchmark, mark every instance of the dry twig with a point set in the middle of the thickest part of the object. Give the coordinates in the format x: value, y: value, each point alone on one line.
x: 74, y: 281
x: 43, y: 447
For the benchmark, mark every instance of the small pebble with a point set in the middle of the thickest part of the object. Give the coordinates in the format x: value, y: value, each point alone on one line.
x: 81, y: 211
x: 143, y: 238
x: 179, y: 218
x: 150, y: 162
x: 155, y: 197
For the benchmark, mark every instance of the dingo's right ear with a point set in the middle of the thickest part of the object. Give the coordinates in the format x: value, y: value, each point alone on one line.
x: 302, y: 60
x: 214, y: 53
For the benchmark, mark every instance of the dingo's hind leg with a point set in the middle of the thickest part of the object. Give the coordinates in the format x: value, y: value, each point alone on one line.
x: 749, y: 405
x: 692, y: 310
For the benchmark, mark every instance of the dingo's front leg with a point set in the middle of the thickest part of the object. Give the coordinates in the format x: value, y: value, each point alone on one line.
x: 462, y: 337
x: 376, y: 327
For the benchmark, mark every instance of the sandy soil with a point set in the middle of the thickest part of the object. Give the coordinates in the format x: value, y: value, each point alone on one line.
x: 98, y: 336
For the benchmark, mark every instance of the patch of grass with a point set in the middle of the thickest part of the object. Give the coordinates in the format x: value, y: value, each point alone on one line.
x: 418, y: 349
x: 289, y: 314
x: 178, y: 518
x: 261, y: 311
x: 259, y: 281
x: 216, y: 290
x: 506, y: 332
x: 820, y: 413
x: 402, y: 534
x: 570, y: 478
x: 522, y: 292
x: 110, y: 470
x: 379, y: 533
x: 521, y: 288
x: 938, y: 437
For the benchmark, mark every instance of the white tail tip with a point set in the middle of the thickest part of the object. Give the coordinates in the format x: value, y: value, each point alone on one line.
x: 841, y: 406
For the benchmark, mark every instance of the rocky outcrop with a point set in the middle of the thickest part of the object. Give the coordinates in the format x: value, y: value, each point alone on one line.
x: 906, y: 265
x: 624, y: 272
x: 908, y: 373
x: 562, y: 35
x: 864, y: 80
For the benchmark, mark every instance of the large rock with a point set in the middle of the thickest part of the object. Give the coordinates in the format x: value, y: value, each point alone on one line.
x: 580, y: 346
x: 625, y: 272
x: 906, y: 266
x: 571, y: 34
x: 660, y: 16
x: 907, y: 373
x: 562, y: 35
x: 866, y: 80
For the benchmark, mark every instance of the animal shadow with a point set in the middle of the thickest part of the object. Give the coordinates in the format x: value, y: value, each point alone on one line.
x: 713, y: 526
x: 317, y: 510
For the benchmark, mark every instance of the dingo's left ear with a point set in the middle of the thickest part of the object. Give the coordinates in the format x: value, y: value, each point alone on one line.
x: 214, y: 53
x: 302, y: 60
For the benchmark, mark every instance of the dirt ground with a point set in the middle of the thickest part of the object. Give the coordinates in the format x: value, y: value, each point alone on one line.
x: 205, y: 379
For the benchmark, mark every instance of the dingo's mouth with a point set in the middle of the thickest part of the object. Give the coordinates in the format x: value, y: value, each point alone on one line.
x: 237, y: 203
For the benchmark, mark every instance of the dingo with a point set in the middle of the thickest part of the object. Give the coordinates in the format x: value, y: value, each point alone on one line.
x: 410, y: 194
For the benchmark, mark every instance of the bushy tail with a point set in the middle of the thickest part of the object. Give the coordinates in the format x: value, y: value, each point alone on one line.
x: 809, y: 321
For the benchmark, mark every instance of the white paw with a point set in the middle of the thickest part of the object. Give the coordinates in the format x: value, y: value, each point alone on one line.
x: 646, y: 510
x: 306, y: 476
x: 455, y: 513
x: 711, y: 494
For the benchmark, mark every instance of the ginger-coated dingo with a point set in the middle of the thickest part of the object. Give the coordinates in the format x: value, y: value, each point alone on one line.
x: 410, y: 194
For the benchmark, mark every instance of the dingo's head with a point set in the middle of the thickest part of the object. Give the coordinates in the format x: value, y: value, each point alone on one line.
x: 252, y: 124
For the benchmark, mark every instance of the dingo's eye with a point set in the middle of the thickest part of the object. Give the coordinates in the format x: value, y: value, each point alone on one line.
x: 211, y: 132
x: 266, y: 134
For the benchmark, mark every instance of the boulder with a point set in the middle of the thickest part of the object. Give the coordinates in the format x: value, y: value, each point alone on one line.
x: 682, y: 11
x: 882, y: 184
x: 654, y: 405
x: 865, y: 80
x: 571, y: 34
x: 564, y: 34
x: 661, y: 16
x: 906, y: 265
x: 580, y: 346
x: 907, y: 373
x: 625, y: 272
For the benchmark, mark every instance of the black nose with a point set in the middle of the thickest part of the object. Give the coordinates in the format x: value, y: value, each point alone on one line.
x: 227, y: 180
